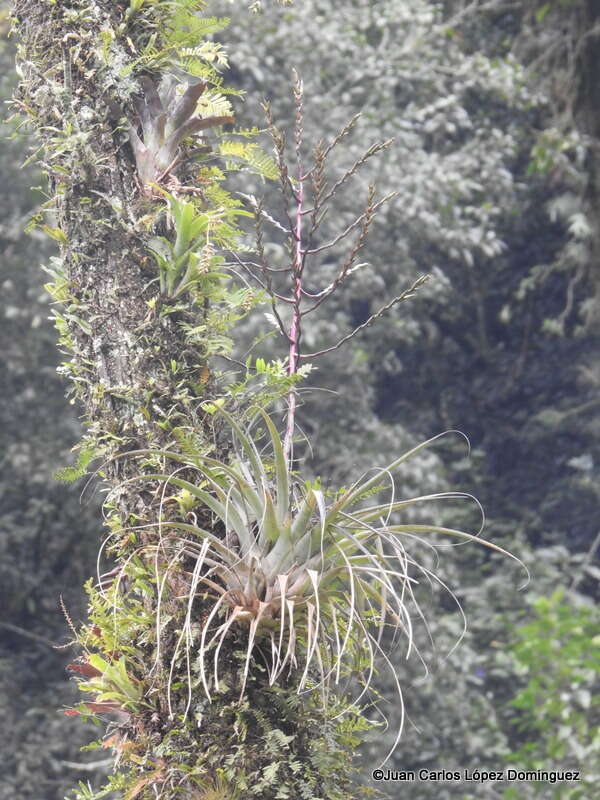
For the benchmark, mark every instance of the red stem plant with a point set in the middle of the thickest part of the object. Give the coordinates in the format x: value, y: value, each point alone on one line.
x: 306, y: 199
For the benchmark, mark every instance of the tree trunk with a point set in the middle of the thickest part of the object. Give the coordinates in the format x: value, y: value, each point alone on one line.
x: 121, y: 348
x: 138, y: 380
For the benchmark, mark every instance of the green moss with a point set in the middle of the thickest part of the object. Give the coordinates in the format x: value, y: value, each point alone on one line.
x: 145, y: 302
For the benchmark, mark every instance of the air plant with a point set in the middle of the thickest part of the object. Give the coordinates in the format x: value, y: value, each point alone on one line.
x: 166, y: 117
x: 313, y: 583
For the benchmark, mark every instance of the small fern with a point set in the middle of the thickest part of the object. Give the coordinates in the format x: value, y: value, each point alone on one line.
x: 239, y: 154
x: 211, y: 52
x: 86, y: 455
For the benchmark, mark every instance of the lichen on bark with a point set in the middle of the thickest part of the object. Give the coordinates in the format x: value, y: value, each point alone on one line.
x: 141, y: 383
x: 120, y: 344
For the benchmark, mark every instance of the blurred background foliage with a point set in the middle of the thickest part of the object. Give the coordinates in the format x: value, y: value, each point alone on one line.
x: 493, y: 110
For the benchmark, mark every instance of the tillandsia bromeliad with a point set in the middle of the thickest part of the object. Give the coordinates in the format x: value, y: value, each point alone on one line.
x: 167, y: 116
x: 315, y: 584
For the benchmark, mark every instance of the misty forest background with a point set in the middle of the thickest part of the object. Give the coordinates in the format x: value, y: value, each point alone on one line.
x: 495, y: 111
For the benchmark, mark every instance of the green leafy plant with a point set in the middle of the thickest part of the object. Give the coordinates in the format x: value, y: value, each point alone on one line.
x: 111, y: 683
x: 112, y: 659
x: 183, y: 42
x: 190, y: 261
x: 188, y: 100
x: 557, y: 712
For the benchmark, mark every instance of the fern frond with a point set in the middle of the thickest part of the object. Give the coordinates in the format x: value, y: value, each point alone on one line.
x: 214, y: 104
x: 250, y: 154
x: 182, y: 41
x: 73, y: 473
x: 185, y: 27
x: 212, y: 52
x: 248, y: 133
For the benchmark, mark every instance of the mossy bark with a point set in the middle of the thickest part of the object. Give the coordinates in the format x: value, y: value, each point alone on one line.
x: 80, y: 64
x: 121, y: 347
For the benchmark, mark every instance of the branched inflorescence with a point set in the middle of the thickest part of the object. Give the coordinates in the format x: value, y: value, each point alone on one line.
x: 307, y: 197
